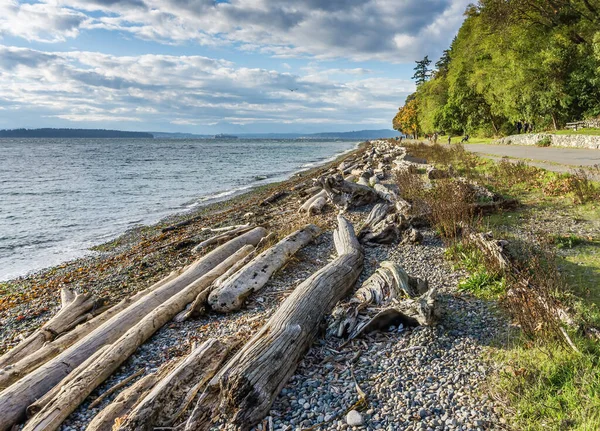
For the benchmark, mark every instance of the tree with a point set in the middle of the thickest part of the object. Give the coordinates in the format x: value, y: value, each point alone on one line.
x: 407, y: 118
x: 422, y: 71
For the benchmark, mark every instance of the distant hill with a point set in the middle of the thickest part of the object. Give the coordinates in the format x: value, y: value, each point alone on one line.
x: 359, y: 134
x: 176, y: 135
x: 71, y: 133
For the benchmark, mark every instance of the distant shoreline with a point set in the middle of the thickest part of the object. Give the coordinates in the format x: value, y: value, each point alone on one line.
x: 72, y: 133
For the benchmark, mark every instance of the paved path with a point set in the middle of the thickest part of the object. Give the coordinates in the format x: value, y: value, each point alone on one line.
x: 553, y: 159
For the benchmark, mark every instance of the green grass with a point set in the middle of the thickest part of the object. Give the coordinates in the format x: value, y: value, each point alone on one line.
x: 549, y: 386
x: 594, y: 132
x: 472, y: 140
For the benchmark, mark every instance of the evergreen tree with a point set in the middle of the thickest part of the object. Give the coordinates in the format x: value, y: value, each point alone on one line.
x: 422, y: 71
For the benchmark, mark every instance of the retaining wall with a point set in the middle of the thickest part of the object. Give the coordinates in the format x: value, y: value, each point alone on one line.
x: 575, y: 141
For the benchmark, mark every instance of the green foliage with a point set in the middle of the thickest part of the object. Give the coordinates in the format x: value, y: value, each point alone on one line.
x: 544, y: 142
x: 524, y: 60
x: 568, y: 241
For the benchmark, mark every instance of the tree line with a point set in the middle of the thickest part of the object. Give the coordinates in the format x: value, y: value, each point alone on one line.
x: 512, y: 62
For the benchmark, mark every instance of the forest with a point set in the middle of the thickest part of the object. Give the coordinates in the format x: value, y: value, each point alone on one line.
x: 512, y: 61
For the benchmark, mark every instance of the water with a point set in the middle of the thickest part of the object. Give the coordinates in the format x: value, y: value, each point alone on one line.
x: 59, y: 197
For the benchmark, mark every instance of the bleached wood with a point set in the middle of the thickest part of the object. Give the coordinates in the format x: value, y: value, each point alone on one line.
x: 306, y: 205
x: 167, y: 400
x: 232, y: 293
x: 247, y: 385
x: 74, y: 310
x: 13, y: 373
x: 15, y: 399
x: 317, y: 206
x: 225, y: 236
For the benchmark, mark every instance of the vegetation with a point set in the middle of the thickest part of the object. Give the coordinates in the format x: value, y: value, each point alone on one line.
x: 515, y: 61
x: 544, y: 382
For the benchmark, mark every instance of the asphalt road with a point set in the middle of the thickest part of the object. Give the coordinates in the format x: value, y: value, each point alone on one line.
x: 554, y: 159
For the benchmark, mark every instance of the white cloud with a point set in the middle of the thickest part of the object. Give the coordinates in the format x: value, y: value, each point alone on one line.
x: 385, y: 30
x: 189, y: 90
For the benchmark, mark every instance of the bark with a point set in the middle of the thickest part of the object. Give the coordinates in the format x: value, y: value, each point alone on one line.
x: 74, y: 310
x: 126, y: 400
x: 311, y: 200
x: 232, y: 293
x: 15, y: 399
x: 346, y: 194
x: 226, y: 236
x: 317, y: 206
x: 74, y: 392
x: 384, y: 288
x: 247, y: 385
x: 13, y: 373
x: 165, y: 403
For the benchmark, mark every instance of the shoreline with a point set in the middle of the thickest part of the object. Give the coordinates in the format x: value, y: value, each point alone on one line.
x: 94, y: 270
x: 89, y: 248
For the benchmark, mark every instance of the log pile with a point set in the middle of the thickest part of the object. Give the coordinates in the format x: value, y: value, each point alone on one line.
x: 52, y: 372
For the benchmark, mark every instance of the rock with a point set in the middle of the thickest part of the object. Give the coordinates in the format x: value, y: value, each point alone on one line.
x: 412, y: 236
x: 354, y: 418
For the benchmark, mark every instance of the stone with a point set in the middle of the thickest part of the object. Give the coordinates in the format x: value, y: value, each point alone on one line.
x: 354, y: 418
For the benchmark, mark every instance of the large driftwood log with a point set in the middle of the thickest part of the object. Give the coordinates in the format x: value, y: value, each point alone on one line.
x: 126, y: 401
x: 247, y: 385
x: 15, y: 399
x: 386, y: 293
x: 385, y: 192
x: 74, y: 310
x: 346, y: 194
x: 76, y: 390
x: 165, y: 403
x: 232, y: 293
x: 382, y: 225
x: 13, y: 373
x: 316, y: 207
x: 226, y: 236
x: 307, y: 204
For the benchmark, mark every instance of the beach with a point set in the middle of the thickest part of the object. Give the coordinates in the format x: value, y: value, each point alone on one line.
x: 324, y: 386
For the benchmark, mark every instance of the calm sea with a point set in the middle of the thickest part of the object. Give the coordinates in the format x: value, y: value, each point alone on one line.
x: 59, y: 197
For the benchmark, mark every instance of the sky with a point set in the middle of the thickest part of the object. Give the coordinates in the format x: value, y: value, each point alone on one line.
x: 215, y: 66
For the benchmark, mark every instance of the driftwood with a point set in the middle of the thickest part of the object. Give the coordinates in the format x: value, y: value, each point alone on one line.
x: 346, y: 194
x: 232, y: 293
x: 247, y: 385
x: 126, y: 400
x: 306, y: 205
x: 13, y: 373
x: 316, y: 207
x: 15, y: 399
x: 181, y: 224
x: 39, y: 404
x: 382, y: 225
x: 198, y: 307
x: 115, y: 387
x: 165, y: 403
x: 75, y: 391
x: 274, y: 198
x: 226, y: 236
x: 386, y: 292
x: 385, y: 192
x: 74, y: 310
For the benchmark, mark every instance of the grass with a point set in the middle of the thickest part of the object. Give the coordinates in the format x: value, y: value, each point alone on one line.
x: 544, y: 383
x: 593, y: 132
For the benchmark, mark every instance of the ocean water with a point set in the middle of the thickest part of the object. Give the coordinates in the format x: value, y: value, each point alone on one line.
x: 59, y: 197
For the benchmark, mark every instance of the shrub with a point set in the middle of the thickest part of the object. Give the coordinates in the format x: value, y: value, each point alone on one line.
x: 544, y: 142
x: 583, y: 188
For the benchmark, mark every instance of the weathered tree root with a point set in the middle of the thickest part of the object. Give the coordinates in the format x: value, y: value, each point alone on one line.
x: 389, y: 292
x: 245, y: 388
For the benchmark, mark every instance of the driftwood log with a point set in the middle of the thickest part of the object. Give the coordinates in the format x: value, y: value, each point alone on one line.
x: 247, y: 385
x: 13, y: 373
x: 389, y: 293
x: 346, y: 194
x: 74, y: 310
x: 15, y: 399
x: 232, y: 293
x: 167, y: 400
x: 316, y: 207
x: 307, y: 204
x: 77, y: 389
x: 226, y: 236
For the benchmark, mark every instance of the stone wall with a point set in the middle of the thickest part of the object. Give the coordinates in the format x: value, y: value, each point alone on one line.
x: 575, y: 141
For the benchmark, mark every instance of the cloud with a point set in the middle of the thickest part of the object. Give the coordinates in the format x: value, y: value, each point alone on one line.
x: 385, y: 30
x: 188, y: 90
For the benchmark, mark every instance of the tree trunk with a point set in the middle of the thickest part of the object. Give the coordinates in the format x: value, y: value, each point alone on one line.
x: 306, y: 205
x: 170, y: 397
x: 386, y: 289
x: 248, y: 384
x: 127, y: 400
x: 317, y: 206
x: 73, y: 311
x: 74, y: 392
x: 13, y: 373
x: 15, y: 399
x: 226, y: 236
x: 232, y: 293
